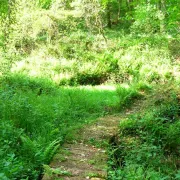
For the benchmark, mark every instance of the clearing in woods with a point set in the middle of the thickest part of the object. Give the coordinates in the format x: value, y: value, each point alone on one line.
x: 86, y: 158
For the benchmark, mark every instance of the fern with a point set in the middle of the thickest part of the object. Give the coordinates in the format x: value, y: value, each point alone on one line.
x: 51, y: 150
x: 32, y: 150
x: 29, y: 146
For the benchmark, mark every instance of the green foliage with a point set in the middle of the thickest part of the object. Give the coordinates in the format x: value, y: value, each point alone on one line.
x: 50, y: 151
x: 172, y: 17
x: 148, y: 20
x: 45, y: 3
x: 3, y: 7
x: 148, y: 143
x: 48, y: 48
x: 36, y: 116
x: 127, y: 95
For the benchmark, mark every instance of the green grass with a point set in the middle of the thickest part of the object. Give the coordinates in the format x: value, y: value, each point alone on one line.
x: 34, y: 124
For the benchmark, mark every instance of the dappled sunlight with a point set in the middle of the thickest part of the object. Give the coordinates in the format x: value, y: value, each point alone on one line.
x: 71, y: 69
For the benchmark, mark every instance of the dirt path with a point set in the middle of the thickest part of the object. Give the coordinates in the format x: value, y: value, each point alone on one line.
x: 86, y: 158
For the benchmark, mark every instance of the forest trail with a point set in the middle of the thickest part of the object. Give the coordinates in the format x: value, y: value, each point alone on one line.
x: 86, y: 158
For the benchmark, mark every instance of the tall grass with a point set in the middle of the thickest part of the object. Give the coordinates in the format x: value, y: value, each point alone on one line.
x: 36, y: 116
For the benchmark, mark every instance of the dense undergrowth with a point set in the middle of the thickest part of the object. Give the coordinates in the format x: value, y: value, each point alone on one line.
x: 58, y: 72
x: 36, y: 117
x: 147, y: 145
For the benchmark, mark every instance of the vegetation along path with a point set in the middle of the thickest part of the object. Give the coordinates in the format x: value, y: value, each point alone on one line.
x: 86, y: 158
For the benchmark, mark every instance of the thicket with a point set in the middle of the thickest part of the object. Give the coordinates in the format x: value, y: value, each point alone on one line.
x: 49, y: 48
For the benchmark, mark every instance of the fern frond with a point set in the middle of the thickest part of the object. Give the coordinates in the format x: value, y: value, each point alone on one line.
x: 50, y: 150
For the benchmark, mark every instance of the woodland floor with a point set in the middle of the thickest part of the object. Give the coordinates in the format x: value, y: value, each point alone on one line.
x: 86, y: 157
